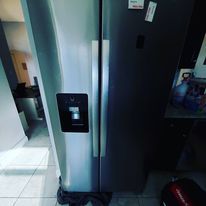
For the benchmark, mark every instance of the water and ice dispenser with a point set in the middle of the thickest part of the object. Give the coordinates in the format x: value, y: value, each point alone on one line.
x: 73, y: 112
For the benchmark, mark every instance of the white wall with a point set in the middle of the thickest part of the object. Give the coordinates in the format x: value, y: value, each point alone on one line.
x: 11, y: 130
x: 17, y: 39
x: 200, y: 68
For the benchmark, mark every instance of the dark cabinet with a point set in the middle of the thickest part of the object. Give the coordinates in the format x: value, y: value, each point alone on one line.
x: 194, y: 37
x: 173, y: 137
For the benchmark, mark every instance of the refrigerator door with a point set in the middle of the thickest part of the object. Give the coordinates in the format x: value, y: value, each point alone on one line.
x: 77, y: 25
x: 143, y: 57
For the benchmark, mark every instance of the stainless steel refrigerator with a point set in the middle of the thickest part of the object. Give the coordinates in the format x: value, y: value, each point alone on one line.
x: 105, y: 75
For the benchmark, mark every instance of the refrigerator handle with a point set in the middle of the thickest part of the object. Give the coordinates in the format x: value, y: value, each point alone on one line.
x: 104, y: 96
x: 95, y: 97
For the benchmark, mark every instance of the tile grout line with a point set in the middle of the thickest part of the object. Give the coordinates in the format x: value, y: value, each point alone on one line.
x: 30, y: 179
x: 36, y: 198
x: 24, y: 187
x: 43, y: 157
x: 32, y: 174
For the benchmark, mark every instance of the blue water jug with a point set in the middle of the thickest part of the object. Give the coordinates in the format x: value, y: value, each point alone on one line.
x: 181, y: 90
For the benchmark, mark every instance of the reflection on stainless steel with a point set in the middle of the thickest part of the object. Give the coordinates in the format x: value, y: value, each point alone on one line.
x: 104, y: 95
x: 95, y: 97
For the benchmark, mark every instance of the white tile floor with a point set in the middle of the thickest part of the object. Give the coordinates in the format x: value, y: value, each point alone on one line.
x: 30, y: 178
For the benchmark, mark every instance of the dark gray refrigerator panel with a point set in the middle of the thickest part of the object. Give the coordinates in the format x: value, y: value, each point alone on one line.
x: 141, y: 59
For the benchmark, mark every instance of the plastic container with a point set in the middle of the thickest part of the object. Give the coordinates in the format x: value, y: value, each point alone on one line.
x: 181, y: 90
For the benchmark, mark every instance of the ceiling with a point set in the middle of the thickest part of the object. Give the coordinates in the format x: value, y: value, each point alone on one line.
x: 10, y: 10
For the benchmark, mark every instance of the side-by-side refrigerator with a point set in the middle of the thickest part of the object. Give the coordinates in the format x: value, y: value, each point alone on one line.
x: 105, y: 74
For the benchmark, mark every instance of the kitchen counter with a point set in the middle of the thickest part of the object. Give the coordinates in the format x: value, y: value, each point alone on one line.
x: 181, y: 112
x: 27, y: 93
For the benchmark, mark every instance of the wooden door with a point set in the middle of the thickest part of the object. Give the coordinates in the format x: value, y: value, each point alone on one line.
x: 19, y: 60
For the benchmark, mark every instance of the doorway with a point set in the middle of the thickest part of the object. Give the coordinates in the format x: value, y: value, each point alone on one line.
x: 26, y: 158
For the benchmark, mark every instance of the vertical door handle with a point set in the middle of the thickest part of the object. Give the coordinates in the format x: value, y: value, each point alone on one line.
x: 104, y: 96
x: 95, y: 97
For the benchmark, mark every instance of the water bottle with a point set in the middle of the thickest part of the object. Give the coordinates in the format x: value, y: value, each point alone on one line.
x: 181, y: 90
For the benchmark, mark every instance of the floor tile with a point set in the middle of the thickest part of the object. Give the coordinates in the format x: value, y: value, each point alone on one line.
x: 40, y: 140
x: 8, y: 157
x: 38, y: 135
x: 156, y: 182
x: 30, y: 156
x: 43, y: 183
x: 57, y: 204
x: 36, y: 202
x: 149, y: 202
x: 88, y: 204
x: 7, y: 201
x: 48, y: 159
x: 14, y: 179
x: 118, y: 202
x: 124, y: 202
x: 36, y: 127
x: 125, y: 194
x: 198, y: 177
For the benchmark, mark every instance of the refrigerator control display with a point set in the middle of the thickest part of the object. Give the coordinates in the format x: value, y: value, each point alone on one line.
x: 73, y: 112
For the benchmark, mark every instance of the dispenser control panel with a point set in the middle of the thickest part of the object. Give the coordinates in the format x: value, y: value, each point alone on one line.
x: 73, y: 112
